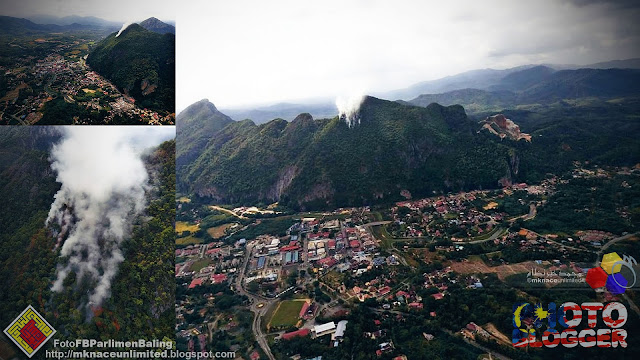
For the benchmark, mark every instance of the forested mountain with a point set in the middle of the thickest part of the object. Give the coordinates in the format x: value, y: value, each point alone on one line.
x: 198, y: 123
x: 324, y: 163
x: 141, y: 63
x: 473, y: 100
x: 142, y: 301
x: 572, y: 84
x: 523, y: 79
x: 320, y: 163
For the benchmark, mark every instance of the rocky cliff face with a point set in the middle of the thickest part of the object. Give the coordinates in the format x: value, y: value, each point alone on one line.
x: 502, y: 127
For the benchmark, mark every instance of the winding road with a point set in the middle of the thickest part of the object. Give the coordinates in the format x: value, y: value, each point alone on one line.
x: 258, y: 312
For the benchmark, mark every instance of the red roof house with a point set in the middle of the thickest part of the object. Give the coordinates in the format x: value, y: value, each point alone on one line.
x: 291, y: 335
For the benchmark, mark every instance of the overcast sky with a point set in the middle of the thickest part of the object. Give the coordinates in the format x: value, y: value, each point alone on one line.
x: 244, y: 52
x: 114, y: 10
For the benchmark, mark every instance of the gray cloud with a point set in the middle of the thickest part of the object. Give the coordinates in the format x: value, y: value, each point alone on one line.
x: 617, y: 4
x: 586, y: 31
x: 285, y: 50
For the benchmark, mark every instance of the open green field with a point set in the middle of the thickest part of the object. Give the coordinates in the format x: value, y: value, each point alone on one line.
x: 286, y: 314
x: 380, y: 232
x: 200, y: 264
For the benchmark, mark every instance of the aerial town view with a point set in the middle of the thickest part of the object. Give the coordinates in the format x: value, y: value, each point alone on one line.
x: 376, y: 275
x: 67, y: 75
x: 431, y: 180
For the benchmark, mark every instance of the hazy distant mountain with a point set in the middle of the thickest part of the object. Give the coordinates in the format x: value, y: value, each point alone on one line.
x: 616, y: 64
x: 580, y: 83
x: 490, y: 79
x: 19, y: 26
x: 74, y: 19
x: 157, y: 26
x: 541, y: 85
x: 474, y: 79
x: 286, y: 111
x: 14, y: 25
x: 523, y: 79
x: 473, y: 100
x: 141, y: 63
x: 194, y: 127
x: 477, y: 90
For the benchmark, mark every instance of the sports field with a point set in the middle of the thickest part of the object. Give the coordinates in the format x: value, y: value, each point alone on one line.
x: 287, y: 313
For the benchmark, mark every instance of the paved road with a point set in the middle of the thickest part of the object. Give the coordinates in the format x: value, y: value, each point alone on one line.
x: 609, y: 243
x: 393, y: 249
x: 532, y: 212
x: 22, y: 122
x: 493, y: 236
x: 256, y: 326
x: 560, y: 244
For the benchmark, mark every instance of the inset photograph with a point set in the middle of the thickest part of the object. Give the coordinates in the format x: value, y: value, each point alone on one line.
x: 87, y: 239
x: 87, y: 63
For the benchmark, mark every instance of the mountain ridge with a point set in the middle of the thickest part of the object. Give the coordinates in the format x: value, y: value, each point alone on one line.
x: 157, y: 26
x: 141, y: 63
x: 310, y: 163
x: 195, y: 125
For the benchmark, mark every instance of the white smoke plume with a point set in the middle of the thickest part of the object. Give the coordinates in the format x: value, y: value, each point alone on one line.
x: 124, y: 26
x: 348, y: 108
x: 103, y: 180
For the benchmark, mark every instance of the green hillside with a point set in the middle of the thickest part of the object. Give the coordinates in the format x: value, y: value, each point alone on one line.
x: 198, y: 123
x: 321, y: 163
x: 141, y: 63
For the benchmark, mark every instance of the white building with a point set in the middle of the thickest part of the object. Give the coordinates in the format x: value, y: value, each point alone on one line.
x: 324, y: 329
x: 339, y: 334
